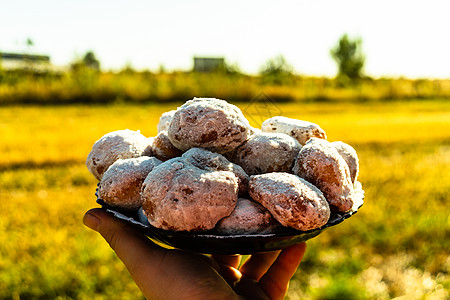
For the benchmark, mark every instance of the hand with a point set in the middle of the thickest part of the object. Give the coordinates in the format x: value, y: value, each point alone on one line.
x: 175, y: 274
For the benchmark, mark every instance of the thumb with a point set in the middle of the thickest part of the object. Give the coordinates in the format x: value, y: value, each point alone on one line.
x: 159, y: 273
x: 135, y: 250
x: 117, y: 233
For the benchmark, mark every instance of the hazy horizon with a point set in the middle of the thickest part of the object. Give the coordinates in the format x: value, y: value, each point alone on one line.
x: 399, y: 38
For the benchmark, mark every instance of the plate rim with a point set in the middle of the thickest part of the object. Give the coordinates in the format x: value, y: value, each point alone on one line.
x: 239, y: 243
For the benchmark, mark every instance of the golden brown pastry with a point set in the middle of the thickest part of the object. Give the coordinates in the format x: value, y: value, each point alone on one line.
x: 320, y: 163
x: 302, y: 131
x: 350, y: 157
x: 208, y: 123
x: 122, y: 182
x: 179, y: 196
x: 266, y: 152
x: 210, y: 161
x: 164, y: 120
x: 248, y: 217
x: 162, y: 147
x: 112, y: 146
x: 149, y: 150
x: 293, y: 201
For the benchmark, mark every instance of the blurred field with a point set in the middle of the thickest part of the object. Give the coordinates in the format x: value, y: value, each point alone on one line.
x: 85, y: 85
x: 397, y: 245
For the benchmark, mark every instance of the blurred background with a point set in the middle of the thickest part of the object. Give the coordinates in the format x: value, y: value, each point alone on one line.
x: 375, y: 75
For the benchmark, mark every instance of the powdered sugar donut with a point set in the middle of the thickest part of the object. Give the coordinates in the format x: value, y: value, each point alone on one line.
x: 320, y: 163
x: 179, y: 196
x: 149, y: 150
x: 112, y: 146
x: 302, y: 131
x: 210, y: 161
x: 350, y: 157
x: 248, y: 217
x: 208, y: 123
x: 162, y: 147
x: 164, y: 120
x: 294, y: 202
x: 122, y: 182
x: 266, y: 152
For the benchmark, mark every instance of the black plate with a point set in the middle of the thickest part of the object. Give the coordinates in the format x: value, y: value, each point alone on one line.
x: 211, y: 243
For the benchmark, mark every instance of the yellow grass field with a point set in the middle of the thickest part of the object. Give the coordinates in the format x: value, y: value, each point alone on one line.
x: 397, y: 245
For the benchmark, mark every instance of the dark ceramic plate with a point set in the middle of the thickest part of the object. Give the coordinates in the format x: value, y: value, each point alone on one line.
x: 213, y: 243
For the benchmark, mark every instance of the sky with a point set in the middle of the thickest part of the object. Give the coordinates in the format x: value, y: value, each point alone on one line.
x: 399, y: 38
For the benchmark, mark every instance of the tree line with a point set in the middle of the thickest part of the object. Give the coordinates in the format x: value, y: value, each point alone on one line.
x: 87, y: 83
x: 347, y: 54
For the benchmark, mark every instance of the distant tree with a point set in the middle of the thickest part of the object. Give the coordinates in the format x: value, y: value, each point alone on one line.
x: 349, y: 57
x: 128, y: 69
x: 276, y: 70
x: 229, y: 69
x: 30, y: 65
x: 90, y: 61
x: 161, y: 69
x: 233, y: 69
x: 29, y: 42
x: 276, y: 65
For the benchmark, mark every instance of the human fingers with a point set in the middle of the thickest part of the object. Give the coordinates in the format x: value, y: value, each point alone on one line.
x: 159, y: 273
x: 276, y: 281
x: 229, y: 260
x: 133, y: 248
x: 258, y: 264
x: 228, y: 267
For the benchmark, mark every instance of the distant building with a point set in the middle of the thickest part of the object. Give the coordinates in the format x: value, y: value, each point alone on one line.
x: 11, y: 61
x: 208, y: 64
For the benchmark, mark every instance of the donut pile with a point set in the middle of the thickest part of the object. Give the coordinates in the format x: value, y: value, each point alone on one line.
x: 208, y: 169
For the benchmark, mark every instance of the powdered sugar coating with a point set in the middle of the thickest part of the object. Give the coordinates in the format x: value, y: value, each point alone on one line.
x: 179, y: 196
x: 248, y: 217
x: 320, y: 163
x: 266, y: 152
x: 351, y: 158
x: 112, y: 146
x: 302, y: 131
x: 163, y: 148
x: 122, y: 182
x: 359, y: 195
x: 210, y: 161
x: 208, y: 123
x: 293, y: 201
x: 149, y: 149
x: 164, y: 120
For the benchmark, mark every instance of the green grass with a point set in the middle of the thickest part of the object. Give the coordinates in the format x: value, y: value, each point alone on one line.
x: 89, y: 86
x: 396, y: 245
